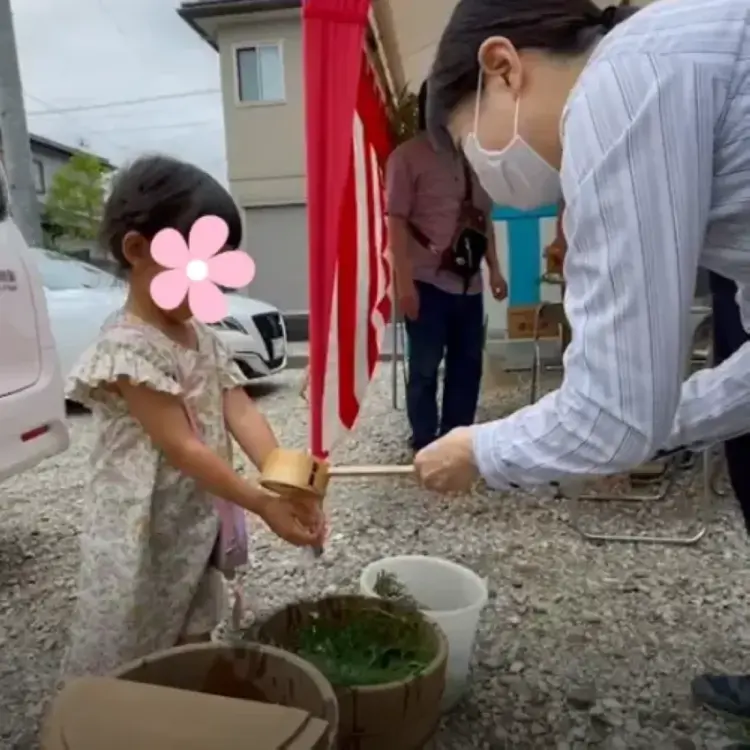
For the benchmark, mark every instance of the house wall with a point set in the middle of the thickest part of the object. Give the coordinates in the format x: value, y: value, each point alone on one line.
x: 49, y: 162
x: 45, y: 163
x: 265, y: 146
x: 265, y: 141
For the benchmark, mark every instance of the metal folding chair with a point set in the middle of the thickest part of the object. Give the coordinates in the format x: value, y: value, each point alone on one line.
x: 399, y: 346
x: 400, y: 355
x: 674, y: 466
x: 548, y: 314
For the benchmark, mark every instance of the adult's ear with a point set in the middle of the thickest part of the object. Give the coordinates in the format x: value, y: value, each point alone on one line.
x: 500, y: 64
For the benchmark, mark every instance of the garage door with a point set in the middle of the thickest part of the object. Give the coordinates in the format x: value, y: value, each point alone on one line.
x: 276, y: 237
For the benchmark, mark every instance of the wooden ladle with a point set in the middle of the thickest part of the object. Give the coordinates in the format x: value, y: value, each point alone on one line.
x: 293, y: 471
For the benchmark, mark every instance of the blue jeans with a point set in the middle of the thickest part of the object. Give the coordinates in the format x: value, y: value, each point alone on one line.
x: 729, y: 336
x: 450, y: 327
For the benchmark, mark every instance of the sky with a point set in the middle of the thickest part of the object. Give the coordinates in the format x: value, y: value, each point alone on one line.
x: 87, y: 56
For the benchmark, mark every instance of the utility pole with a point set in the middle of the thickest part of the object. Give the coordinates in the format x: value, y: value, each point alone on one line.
x: 16, y: 149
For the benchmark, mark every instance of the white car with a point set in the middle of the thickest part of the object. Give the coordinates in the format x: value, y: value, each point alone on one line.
x: 32, y: 405
x: 80, y: 298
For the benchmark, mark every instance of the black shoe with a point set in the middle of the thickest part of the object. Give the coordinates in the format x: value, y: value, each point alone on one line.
x: 726, y: 694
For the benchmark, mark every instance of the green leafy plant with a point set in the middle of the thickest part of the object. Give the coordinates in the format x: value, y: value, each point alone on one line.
x: 76, y: 197
x: 405, y: 116
x: 389, y: 586
x: 374, y: 647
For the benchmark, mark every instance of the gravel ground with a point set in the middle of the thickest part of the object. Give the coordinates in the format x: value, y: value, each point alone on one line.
x: 580, y: 646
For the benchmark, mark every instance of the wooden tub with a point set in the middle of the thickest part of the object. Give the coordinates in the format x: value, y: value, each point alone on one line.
x: 251, y: 671
x: 400, y: 715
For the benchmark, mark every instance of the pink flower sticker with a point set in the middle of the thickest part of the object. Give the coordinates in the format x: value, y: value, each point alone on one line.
x: 196, y: 267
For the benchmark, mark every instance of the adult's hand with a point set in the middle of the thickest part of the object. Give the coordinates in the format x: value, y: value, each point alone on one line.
x: 408, y: 299
x: 498, y: 286
x: 555, y: 255
x: 448, y: 465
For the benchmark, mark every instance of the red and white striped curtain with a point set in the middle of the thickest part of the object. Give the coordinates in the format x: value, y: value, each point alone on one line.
x: 348, y: 142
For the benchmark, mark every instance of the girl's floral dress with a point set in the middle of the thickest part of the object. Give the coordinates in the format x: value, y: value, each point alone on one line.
x: 148, y: 531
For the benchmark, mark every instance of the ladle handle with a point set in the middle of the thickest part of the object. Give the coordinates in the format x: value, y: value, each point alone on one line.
x: 383, y: 470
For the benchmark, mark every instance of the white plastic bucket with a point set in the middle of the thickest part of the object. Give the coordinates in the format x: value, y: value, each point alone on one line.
x: 453, y: 598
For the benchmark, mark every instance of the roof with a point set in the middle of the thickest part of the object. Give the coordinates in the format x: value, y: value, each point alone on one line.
x: 61, y: 149
x: 195, y: 10
x: 225, y: 7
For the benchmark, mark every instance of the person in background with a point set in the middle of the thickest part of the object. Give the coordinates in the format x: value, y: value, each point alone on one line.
x: 728, y: 336
x: 431, y: 196
x: 729, y: 694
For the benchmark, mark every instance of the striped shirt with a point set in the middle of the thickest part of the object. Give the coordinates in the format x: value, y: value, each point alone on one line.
x: 656, y: 180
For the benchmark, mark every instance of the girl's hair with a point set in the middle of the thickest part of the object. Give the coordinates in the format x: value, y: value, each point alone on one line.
x: 159, y: 192
x: 558, y: 26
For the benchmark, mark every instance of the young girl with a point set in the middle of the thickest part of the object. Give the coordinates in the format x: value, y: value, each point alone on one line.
x: 166, y: 397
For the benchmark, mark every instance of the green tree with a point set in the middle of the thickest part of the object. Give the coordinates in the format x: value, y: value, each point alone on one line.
x: 405, y: 116
x: 76, y: 197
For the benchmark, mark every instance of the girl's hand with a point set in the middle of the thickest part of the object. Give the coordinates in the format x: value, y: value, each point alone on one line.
x: 299, y: 521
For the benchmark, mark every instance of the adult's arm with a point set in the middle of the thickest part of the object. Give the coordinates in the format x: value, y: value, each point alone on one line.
x: 715, y: 404
x: 399, y: 193
x: 493, y: 262
x: 485, y: 204
x: 555, y: 251
x: 637, y: 176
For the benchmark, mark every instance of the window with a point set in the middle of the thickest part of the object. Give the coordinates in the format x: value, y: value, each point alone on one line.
x: 39, y: 183
x: 260, y: 73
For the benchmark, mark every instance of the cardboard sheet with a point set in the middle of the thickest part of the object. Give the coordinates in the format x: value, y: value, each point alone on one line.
x: 113, y: 714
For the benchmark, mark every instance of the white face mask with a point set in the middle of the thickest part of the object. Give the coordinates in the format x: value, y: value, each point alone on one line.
x: 516, y: 176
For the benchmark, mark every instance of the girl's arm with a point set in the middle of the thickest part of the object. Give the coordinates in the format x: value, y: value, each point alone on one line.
x: 163, y: 418
x: 248, y: 426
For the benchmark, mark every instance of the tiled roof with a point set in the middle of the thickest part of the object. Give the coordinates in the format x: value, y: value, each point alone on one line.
x: 60, y: 148
x: 194, y: 11
x: 244, y: 5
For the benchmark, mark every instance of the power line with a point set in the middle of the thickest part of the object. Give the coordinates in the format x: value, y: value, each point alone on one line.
x: 79, y: 126
x: 125, y: 102
x: 107, y: 12
x: 166, y: 126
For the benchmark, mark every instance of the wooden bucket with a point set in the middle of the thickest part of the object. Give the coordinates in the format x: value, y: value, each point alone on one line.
x: 400, y: 715
x: 250, y: 671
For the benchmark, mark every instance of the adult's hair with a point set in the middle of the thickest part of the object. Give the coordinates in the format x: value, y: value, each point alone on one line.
x: 158, y: 192
x: 422, y: 108
x: 566, y: 27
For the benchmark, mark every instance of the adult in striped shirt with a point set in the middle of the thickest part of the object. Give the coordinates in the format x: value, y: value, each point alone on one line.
x: 640, y: 121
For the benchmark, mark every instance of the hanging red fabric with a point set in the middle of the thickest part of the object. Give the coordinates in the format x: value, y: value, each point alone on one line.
x: 333, y: 35
x: 346, y: 150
